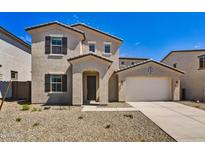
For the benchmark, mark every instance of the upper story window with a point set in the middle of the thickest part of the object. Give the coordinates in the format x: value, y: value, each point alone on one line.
x: 132, y: 63
x: 202, y: 62
x: 14, y: 75
x: 56, y: 45
x: 175, y: 65
x: 107, y: 48
x: 91, y: 46
x: 122, y: 63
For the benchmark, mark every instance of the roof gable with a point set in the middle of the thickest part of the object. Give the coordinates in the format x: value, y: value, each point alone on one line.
x: 90, y: 54
x: 150, y: 61
x: 56, y: 23
x: 98, y: 31
x: 180, y: 51
x: 14, y: 37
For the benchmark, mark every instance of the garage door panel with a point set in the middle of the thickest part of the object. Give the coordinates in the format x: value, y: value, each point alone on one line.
x: 147, y: 89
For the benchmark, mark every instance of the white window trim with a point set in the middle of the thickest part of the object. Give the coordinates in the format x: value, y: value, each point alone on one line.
x: 93, y: 43
x: 107, y: 43
x: 56, y: 83
x: 56, y: 35
x: 16, y: 75
x: 110, y: 43
x: 51, y: 45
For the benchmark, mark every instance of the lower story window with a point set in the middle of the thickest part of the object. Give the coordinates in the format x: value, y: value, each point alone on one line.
x: 202, y: 62
x: 14, y: 75
x: 56, y: 83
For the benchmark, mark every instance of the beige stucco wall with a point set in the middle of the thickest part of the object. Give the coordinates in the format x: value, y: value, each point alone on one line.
x: 110, y: 91
x: 14, y: 57
x: 86, y: 64
x: 113, y: 88
x: 46, y: 64
x: 142, y: 71
x: 194, y: 79
x: 99, y: 39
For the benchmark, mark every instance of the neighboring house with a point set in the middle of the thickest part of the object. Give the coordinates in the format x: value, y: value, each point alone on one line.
x: 79, y: 64
x: 15, y: 60
x: 127, y: 61
x: 193, y: 63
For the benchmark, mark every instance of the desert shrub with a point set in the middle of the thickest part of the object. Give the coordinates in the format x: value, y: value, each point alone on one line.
x: 36, y: 124
x: 25, y: 107
x: 18, y: 119
x: 46, y: 108
x: 80, y: 117
x: 34, y: 109
x: 128, y: 116
x: 107, y: 126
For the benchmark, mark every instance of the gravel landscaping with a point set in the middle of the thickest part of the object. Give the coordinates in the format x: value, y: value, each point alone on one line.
x: 65, y: 123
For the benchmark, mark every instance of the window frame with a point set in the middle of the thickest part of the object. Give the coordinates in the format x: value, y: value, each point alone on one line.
x: 51, y: 44
x: 122, y: 63
x: 92, y: 43
x: 132, y: 63
x: 16, y: 75
x: 107, y: 43
x: 203, y: 62
x: 56, y: 83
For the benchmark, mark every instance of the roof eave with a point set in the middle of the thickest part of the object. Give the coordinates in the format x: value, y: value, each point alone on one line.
x: 145, y: 62
x: 175, y: 51
x: 89, y: 54
x: 15, y: 37
x: 58, y: 23
x: 133, y: 58
x: 114, y: 37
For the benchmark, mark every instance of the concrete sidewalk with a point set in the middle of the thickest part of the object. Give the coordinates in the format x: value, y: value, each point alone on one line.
x: 95, y: 108
x: 182, y: 122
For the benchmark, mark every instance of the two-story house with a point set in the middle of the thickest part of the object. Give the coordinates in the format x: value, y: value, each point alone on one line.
x: 15, y: 60
x: 193, y: 63
x: 79, y: 64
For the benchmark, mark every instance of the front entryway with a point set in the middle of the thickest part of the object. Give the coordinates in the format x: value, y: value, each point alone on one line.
x: 91, y: 88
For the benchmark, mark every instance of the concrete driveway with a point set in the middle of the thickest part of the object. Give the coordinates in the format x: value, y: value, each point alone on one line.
x: 182, y: 122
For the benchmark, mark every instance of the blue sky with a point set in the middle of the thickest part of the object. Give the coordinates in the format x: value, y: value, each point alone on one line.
x: 150, y: 35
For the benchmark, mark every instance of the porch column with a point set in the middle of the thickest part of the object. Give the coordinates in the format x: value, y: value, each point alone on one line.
x: 77, y: 97
x: 103, y: 91
x: 176, y: 90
